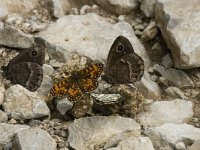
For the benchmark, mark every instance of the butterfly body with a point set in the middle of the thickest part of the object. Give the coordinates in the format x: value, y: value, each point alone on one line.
x: 78, y: 83
x: 123, y: 64
x: 26, y: 68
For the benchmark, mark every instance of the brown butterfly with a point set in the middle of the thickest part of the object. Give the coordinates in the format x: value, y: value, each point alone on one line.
x: 26, y: 68
x: 74, y: 86
x: 123, y: 64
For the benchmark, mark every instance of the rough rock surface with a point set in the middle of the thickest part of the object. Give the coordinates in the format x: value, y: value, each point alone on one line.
x: 160, y: 112
x: 34, y: 138
x: 86, y: 133
x: 8, y: 131
x: 23, y: 104
x: 179, y: 22
x: 171, y: 134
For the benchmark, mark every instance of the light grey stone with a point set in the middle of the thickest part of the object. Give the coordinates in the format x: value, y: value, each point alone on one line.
x: 64, y: 105
x: 64, y: 34
x: 171, y: 134
x: 33, y: 138
x: 85, y: 9
x: 177, y: 77
x: 47, y: 69
x: 167, y: 61
x: 150, y: 32
x: 86, y: 133
x: 117, y: 6
x: 2, y: 92
x: 148, y: 88
x: 160, y: 112
x: 140, y: 143
x: 8, y: 131
x: 23, y: 104
x: 175, y: 92
x: 60, y: 7
x: 18, y: 6
x: 3, y: 117
x: 46, y: 85
x: 14, y: 19
x: 179, y: 23
x: 148, y: 7
x: 180, y: 146
x: 10, y: 36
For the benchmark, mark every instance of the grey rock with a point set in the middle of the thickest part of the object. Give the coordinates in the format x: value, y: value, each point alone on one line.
x: 167, y: 61
x: 8, y: 146
x: 177, y: 77
x: 86, y: 133
x: 14, y: 19
x: 139, y: 27
x: 33, y: 137
x: 180, y: 146
x: 47, y: 70
x: 65, y: 148
x: 178, y: 22
x: 46, y: 85
x: 64, y: 105
x: 148, y: 88
x: 171, y: 134
x: 8, y: 131
x: 3, y: 117
x: 148, y: 7
x: 23, y: 104
x: 64, y: 34
x: 12, y: 37
x: 175, y: 92
x: 85, y: 9
x: 34, y: 123
x: 2, y: 92
x: 141, y: 143
x: 160, y: 112
x: 150, y: 32
x: 117, y: 6
x: 60, y: 8
x: 163, y: 81
x: 19, y: 6
x: 194, y: 146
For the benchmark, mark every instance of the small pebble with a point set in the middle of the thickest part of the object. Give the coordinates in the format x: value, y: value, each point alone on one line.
x: 180, y: 146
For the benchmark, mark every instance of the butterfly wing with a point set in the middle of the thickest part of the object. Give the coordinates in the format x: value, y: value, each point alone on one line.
x: 67, y: 87
x: 91, y: 72
x: 120, y: 47
x: 27, y: 74
x: 34, y: 54
x: 88, y: 77
x: 128, y: 69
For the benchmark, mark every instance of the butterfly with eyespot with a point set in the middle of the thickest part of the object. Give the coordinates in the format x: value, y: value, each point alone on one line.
x: 123, y: 64
x: 78, y: 83
x: 26, y: 68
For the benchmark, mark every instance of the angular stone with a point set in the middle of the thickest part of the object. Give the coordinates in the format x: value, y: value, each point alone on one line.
x: 2, y: 92
x: 171, y: 134
x: 3, y: 117
x: 64, y: 34
x: 179, y: 24
x: 117, y: 6
x: 18, y: 6
x: 64, y: 105
x: 140, y: 143
x: 148, y: 88
x: 23, y: 104
x: 175, y: 92
x: 60, y: 8
x: 160, y: 112
x: 86, y: 133
x: 12, y: 37
x: 150, y: 32
x: 177, y: 77
x: 8, y: 131
x: 34, y: 137
x: 148, y: 7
